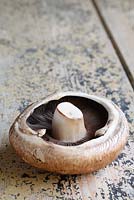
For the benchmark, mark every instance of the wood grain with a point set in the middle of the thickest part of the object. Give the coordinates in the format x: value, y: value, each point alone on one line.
x: 117, y: 17
x: 59, y: 45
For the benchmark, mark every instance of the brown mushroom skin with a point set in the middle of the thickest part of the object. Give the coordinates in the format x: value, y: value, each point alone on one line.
x: 84, y: 158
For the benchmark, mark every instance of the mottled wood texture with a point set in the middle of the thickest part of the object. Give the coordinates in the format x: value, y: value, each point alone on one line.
x: 59, y: 45
x: 118, y: 17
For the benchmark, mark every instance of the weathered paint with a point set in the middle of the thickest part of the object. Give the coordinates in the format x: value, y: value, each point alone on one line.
x: 56, y: 45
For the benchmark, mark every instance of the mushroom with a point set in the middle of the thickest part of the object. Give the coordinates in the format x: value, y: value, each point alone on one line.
x: 70, y: 133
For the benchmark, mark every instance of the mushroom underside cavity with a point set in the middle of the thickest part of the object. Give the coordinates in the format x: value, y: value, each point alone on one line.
x: 88, y: 114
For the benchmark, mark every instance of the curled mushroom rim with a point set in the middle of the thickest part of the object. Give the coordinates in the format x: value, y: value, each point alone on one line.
x: 111, y: 124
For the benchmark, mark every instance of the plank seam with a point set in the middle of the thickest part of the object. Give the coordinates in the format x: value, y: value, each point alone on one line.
x: 114, y: 44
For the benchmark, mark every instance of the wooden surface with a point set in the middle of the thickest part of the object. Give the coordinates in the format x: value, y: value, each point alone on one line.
x: 57, y: 45
x: 118, y: 17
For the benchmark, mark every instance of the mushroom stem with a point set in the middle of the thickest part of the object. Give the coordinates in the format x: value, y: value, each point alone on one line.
x: 68, y: 123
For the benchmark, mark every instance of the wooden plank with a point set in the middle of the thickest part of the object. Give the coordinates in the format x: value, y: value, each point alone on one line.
x: 117, y: 16
x: 58, y: 45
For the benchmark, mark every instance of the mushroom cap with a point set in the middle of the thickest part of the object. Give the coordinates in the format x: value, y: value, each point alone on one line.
x: 84, y: 158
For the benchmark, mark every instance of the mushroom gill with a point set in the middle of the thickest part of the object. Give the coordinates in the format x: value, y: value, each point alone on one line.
x: 92, y: 114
